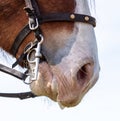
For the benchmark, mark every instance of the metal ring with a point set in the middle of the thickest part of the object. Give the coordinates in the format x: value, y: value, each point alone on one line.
x: 33, y: 27
x: 28, y: 56
x: 28, y: 82
x: 42, y: 38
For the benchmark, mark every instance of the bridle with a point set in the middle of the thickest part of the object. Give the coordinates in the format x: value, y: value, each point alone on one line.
x: 35, y: 20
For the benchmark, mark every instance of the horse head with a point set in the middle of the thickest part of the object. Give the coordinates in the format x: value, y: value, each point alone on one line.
x: 70, y: 66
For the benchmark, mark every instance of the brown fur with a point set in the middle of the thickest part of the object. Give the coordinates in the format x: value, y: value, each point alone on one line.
x: 13, y: 18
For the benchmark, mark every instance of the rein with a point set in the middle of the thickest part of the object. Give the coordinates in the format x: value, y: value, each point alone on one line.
x: 35, y: 20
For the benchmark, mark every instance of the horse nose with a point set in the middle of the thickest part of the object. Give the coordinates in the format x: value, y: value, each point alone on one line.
x: 79, y: 84
x: 85, y: 73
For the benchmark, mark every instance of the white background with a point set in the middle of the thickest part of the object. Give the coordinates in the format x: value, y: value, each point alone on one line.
x: 102, y: 102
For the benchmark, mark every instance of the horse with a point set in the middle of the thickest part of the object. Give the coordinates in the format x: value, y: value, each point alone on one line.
x: 58, y: 45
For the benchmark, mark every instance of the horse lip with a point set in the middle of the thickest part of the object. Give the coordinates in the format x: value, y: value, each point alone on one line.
x: 53, y: 85
x: 68, y: 104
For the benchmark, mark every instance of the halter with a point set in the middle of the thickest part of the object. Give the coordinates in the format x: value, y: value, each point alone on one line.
x: 35, y: 20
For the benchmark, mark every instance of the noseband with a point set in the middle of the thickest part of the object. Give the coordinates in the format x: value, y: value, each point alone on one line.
x: 35, y: 20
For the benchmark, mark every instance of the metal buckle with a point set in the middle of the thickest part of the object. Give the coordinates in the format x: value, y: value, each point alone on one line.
x: 33, y: 23
x: 30, y: 46
x: 38, y: 55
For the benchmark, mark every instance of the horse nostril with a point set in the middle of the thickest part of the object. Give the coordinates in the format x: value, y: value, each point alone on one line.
x: 85, y: 73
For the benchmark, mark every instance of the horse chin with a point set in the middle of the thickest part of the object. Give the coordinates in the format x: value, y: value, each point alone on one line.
x: 46, y: 84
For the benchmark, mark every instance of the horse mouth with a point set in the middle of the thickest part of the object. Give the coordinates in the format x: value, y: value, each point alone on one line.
x: 66, y: 90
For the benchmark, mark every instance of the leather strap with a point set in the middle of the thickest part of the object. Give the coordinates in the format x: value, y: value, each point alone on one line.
x: 33, y: 5
x: 20, y: 76
x: 13, y: 72
x: 19, y: 39
x: 67, y: 17
x: 24, y: 95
